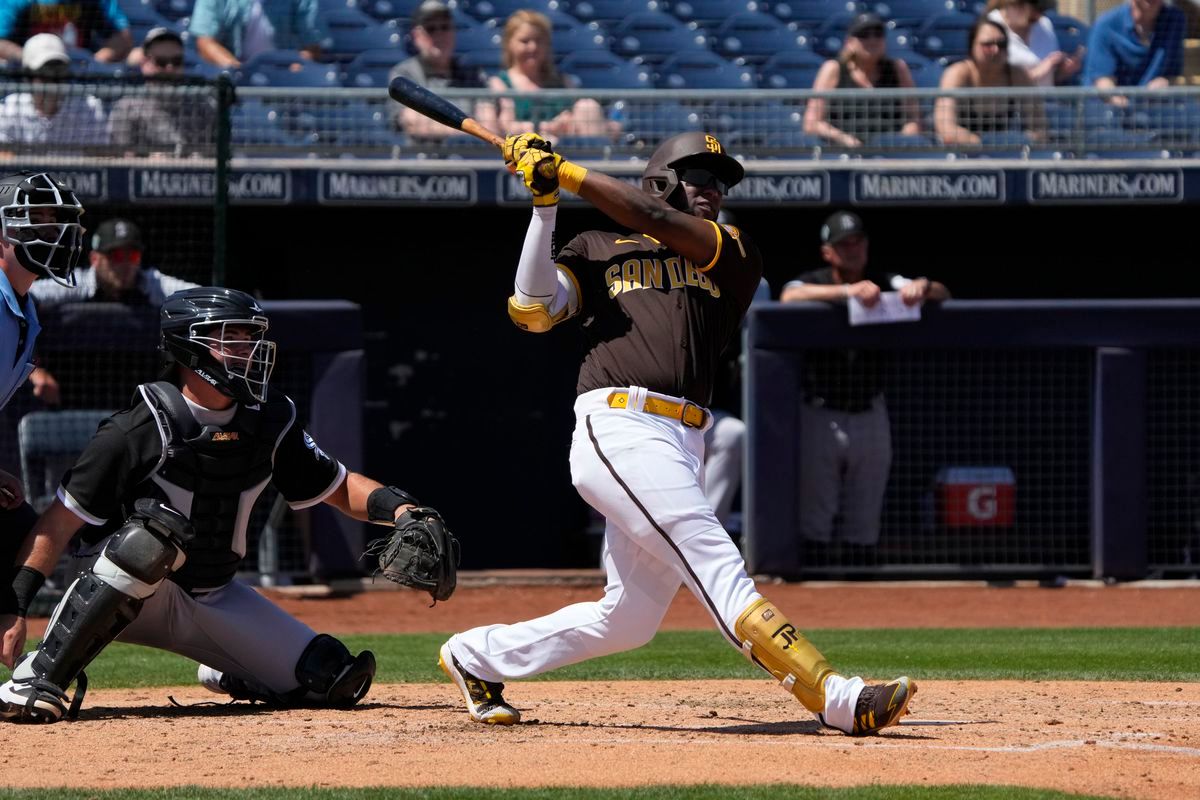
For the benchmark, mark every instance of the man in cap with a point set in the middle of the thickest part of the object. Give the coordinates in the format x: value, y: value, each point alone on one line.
x: 96, y: 25
x: 435, y: 67
x: 658, y: 295
x: 52, y: 112
x: 162, y: 118
x: 846, y: 441
x: 115, y: 275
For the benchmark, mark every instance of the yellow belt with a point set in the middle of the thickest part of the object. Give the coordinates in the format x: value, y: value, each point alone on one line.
x: 687, y: 412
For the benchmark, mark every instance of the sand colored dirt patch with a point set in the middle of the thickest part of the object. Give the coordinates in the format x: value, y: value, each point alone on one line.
x: 1116, y: 739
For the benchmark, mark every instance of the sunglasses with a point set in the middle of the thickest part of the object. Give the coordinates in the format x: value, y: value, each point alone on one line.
x: 169, y: 61
x: 869, y: 33
x: 123, y: 254
x: 702, y: 179
x: 440, y: 28
x: 999, y: 44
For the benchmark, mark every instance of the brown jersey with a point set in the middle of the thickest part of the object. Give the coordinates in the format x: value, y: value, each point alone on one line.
x: 651, y: 317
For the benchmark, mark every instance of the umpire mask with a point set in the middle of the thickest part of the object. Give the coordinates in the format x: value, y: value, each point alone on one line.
x: 39, y: 217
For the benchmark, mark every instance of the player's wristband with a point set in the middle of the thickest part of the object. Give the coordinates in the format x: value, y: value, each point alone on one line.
x: 19, y: 596
x: 570, y: 176
x: 383, y: 502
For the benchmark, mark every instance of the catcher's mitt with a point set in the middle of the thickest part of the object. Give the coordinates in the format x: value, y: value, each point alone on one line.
x: 420, y: 552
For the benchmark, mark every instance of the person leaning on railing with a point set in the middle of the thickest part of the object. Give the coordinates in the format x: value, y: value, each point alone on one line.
x: 862, y: 64
x: 528, y: 60
x: 231, y: 32
x: 99, y: 26
x: 965, y: 120
x: 436, y: 67
x: 1139, y: 43
x: 1032, y: 42
x: 163, y: 121
x: 49, y: 111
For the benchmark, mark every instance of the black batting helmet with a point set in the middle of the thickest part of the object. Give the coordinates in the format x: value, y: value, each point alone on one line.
x: 198, y: 331
x: 694, y: 149
x: 39, y: 217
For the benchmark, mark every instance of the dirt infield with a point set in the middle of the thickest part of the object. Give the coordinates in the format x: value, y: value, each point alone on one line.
x: 1116, y: 739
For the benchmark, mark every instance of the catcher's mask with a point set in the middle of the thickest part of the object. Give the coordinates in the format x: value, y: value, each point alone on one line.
x: 39, y: 217
x: 693, y: 150
x: 219, y: 334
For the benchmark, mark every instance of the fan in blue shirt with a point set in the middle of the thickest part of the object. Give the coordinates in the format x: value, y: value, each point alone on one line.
x: 1139, y: 43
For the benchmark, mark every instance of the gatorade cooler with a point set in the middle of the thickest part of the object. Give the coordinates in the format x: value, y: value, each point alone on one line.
x: 975, y: 497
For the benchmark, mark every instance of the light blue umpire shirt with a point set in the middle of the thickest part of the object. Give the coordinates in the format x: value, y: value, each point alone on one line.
x: 18, y: 326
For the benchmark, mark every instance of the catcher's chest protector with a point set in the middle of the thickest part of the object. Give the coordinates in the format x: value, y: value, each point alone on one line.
x: 222, y: 469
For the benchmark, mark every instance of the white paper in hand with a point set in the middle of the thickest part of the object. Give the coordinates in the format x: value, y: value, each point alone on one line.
x: 890, y: 308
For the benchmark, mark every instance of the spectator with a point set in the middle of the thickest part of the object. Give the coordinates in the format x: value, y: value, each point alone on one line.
x: 115, y: 275
x: 96, y: 25
x: 435, y: 66
x: 1032, y: 42
x: 965, y: 121
x: 230, y: 32
x: 529, y: 67
x: 51, y: 113
x: 1139, y: 43
x: 862, y: 64
x: 164, y: 120
x: 846, y: 440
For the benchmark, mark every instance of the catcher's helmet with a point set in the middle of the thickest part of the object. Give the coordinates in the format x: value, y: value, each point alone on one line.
x: 39, y: 217
x: 198, y: 331
x: 694, y: 149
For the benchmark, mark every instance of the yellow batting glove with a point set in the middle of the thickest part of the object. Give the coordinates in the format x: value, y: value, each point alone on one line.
x: 539, y: 172
x: 517, y: 145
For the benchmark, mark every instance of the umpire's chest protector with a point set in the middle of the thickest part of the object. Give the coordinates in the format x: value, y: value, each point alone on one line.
x: 217, y: 472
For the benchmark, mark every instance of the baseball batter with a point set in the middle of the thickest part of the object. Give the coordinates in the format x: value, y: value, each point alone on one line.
x: 657, y: 301
x: 163, y: 492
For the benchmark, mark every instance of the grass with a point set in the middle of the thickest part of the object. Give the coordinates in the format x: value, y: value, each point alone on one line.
x: 1108, y: 654
x: 763, y: 792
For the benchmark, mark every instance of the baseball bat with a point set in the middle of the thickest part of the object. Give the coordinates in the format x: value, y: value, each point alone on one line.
x: 439, y: 109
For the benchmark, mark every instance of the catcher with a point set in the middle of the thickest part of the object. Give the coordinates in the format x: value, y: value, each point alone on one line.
x: 163, y: 493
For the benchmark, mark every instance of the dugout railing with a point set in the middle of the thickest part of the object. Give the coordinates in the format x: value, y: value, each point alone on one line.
x: 1036, y: 439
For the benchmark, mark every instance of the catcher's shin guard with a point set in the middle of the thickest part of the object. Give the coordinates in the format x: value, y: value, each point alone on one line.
x: 95, y: 609
x: 774, y: 644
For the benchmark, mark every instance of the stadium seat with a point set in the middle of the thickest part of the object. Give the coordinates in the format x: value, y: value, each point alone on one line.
x: 389, y: 9
x: 174, y: 9
x: 708, y: 14
x: 911, y: 13
x: 926, y: 73
x: 501, y: 10
x: 572, y: 35
x: 794, y: 69
x: 1071, y: 32
x: 608, y: 12
x: 651, y: 37
x: 755, y: 126
x: 945, y: 36
x: 703, y: 69
x: 287, y: 68
x: 350, y: 128
x: 649, y: 124
x: 370, y: 68
x: 49, y: 442
x: 480, y: 36
x: 348, y: 31
x: 601, y: 69
x: 752, y: 37
x: 813, y: 14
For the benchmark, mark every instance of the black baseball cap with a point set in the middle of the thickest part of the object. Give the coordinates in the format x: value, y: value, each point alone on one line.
x: 429, y: 11
x: 865, y: 22
x: 114, y: 233
x: 840, y: 225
